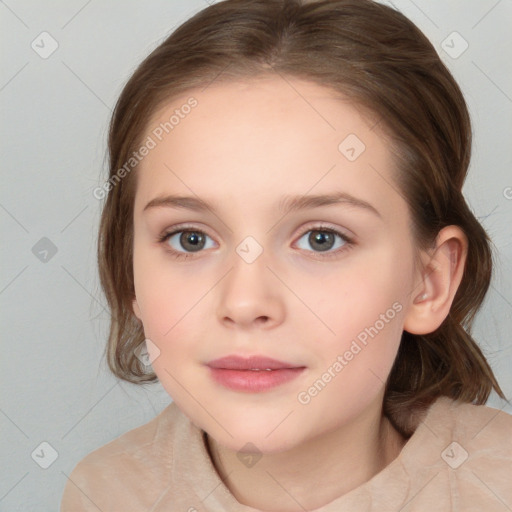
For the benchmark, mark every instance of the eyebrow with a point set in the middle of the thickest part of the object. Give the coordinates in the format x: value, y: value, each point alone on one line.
x: 286, y: 205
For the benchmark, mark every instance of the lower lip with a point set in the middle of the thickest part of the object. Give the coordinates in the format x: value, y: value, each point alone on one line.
x: 254, y: 381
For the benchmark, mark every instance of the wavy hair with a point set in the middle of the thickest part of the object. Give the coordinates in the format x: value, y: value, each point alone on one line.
x: 379, y: 59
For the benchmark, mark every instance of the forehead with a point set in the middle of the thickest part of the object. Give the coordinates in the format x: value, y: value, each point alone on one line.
x: 266, y: 137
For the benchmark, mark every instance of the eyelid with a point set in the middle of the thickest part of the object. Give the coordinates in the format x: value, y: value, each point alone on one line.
x: 320, y: 225
x: 184, y: 227
x: 350, y: 239
x: 304, y: 229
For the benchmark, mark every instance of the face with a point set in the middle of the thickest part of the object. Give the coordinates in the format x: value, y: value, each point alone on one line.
x: 323, y: 287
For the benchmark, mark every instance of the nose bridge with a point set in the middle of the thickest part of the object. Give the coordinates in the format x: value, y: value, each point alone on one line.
x: 249, y: 268
x: 249, y: 292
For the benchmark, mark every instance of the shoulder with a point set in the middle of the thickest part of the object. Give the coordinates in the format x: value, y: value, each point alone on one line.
x: 135, y: 460
x: 136, y: 443
x: 460, y: 457
x: 467, y: 449
x: 479, y: 424
x: 451, y: 428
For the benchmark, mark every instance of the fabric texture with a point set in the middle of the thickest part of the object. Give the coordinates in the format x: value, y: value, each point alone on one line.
x: 458, y: 459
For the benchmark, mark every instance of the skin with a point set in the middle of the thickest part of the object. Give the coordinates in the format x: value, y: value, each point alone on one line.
x: 241, y: 149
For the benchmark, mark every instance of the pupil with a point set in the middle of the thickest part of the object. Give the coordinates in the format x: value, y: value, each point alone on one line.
x: 323, y: 239
x: 192, y: 239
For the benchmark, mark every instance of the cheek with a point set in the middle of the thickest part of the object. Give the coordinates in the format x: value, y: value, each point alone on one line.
x: 364, y: 309
x: 356, y: 297
x: 356, y: 363
x: 169, y: 317
x: 166, y: 301
x: 162, y: 291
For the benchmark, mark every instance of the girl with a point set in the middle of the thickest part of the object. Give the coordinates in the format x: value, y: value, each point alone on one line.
x: 285, y: 246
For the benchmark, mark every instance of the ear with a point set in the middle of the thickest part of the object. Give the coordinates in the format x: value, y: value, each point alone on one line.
x: 136, y: 309
x: 440, y: 279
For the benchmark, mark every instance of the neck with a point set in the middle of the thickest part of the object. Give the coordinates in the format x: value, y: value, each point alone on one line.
x: 314, y: 473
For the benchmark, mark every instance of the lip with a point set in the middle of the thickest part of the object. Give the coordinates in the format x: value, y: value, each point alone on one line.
x: 252, y: 374
x: 234, y: 362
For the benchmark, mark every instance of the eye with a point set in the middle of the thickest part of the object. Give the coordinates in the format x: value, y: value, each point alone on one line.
x: 192, y: 240
x: 323, y: 240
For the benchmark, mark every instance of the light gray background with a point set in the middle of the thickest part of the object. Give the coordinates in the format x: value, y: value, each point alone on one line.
x: 55, y: 387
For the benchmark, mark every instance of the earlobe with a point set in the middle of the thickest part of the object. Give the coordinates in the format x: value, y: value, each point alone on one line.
x: 439, y: 282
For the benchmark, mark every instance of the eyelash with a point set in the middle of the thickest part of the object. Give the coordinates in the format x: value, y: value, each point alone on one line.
x: 349, y: 243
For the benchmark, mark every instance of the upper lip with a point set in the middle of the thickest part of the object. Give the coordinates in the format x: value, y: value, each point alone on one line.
x: 234, y: 362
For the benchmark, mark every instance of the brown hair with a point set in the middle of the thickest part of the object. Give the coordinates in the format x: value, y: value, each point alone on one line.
x: 382, y: 62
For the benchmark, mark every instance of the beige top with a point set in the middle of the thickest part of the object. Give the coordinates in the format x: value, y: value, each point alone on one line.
x: 458, y: 459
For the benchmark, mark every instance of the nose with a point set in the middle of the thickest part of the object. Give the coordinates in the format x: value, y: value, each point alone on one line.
x: 250, y: 295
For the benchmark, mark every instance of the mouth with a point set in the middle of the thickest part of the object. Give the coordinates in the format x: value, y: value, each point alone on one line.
x: 252, y: 374
x: 252, y: 363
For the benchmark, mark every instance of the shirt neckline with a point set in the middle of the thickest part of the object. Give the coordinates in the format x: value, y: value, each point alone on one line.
x: 366, y: 495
